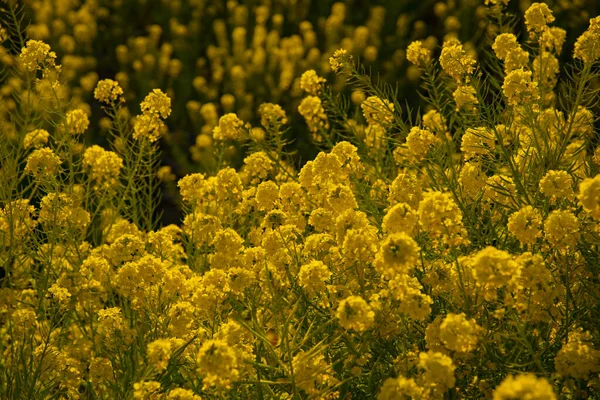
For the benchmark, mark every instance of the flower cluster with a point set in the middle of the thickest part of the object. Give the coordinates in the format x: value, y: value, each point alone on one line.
x: 155, y: 107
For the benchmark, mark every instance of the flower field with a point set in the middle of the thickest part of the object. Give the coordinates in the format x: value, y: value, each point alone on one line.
x: 289, y: 199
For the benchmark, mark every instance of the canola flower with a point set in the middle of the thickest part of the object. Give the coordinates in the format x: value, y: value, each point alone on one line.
x: 442, y: 252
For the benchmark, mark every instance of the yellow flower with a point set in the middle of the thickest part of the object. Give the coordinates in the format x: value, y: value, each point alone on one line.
x: 537, y: 17
x: 156, y: 102
x: 108, y: 91
x: 545, y: 70
x: 438, y: 370
x: 577, y: 358
x: 459, y: 334
x: 455, y: 61
x: 354, y: 313
x: 181, y: 318
x: 312, y: 276
x: 417, y: 54
x: 230, y: 127
x: 35, y: 54
x: 60, y: 294
x: 586, y: 47
x: 22, y: 321
x: 589, y: 196
x: 313, y: 112
x: 556, y: 184
x: 217, y: 364
x: 377, y: 111
x: 77, y: 121
x: 267, y: 195
x: 465, y: 97
x: 407, y: 291
x: 311, y: 83
x: 182, y: 394
x: 524, y: 386
x: 111, y: 320
x: 338, y: 60
x: 494, y: 268
x: 509, y: 50
x: 161, y: 350
x: 561, y: 229
x: 375, y: 138
x: 434, y: 121
x: 104, y: 166
x: 398, y: 254
x: 272, y: 116
x: 146, y: 390
x: 36, y: 138
x: 43, y: 163
x: 399, y: 218
x: 472, y: 179
x: 311, y: 371
x: 147, y: 126
x: 419, y: 142
x: 525, y: 224
x: 400, y: 388
x: 441, y: 217
x: 16, y: 221
x: 519, y: 88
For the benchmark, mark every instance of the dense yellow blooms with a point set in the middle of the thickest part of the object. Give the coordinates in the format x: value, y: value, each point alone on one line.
x: 104, y: 166
x: 519, y: 88
x: 589, y: 196
x: 156, y: 105
x: 272, y: 116
x: 230, y: 127
x: 108, y: 91
x: 398, y: 254
x: 438, y: 371
x: 311, y: 83
x: 440, y: 217
x: 417, y: 54
x: 419, y: 142
x: 455, y: 61
x: 525, y: 224
x: 494, y: 269
x: 43, y: 163
x: 561, y: 229
x: 465, y: 97
x: 36, y: 138
x: 524, y: 386
x: 399, y: 388
x: 400, y: 218
x: 311, y: 372
x: 77, y: 121
x: 341, y: 235
x: 355, y: 313
x: 217, y: 364
x: 459, y: 334
x: 556, y: 184
x: 312, y: 276
x: 313, y: 112
x: 377, y: 111
x: 471, y: 179
x: 510, y: 51
x: 577, y: 358
x: 338, y: 60
x: 35, y: 55
x: 586, y: 47
x: 478, y: 141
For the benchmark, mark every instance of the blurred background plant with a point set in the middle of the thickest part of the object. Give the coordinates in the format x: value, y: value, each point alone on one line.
x: 218, y: 57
